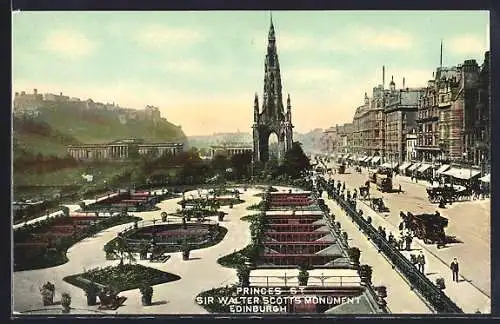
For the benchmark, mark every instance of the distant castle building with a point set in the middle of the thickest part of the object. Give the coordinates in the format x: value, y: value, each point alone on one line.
x: 123, y: 150
x: 29, y: 104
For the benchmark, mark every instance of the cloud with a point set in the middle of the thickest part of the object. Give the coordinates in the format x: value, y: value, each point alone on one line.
x: 388, y: 39
x: 68, y: 43
x: 312, y: 75
x: 184, y: 66
x: 468, y: 44
x: 290, y: 42
x: 157, y: 36
x: 351, y: 39
x: 285, y: 42
x: 357, y: 39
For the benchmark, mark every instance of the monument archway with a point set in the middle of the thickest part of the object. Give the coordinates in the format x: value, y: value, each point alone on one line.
x: 272, y: 118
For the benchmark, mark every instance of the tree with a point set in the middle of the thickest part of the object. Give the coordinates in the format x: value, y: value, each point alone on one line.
x: 123, y: 250
x: 295, y: 161
x: 220, y: 163
x: 241, y: 164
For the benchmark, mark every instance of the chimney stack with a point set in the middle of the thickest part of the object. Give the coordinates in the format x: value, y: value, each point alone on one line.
x: 403, y: 82
x: 383, y: 76
x: 441, y: 56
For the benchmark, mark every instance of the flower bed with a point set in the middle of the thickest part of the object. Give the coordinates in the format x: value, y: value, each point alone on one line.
x: 55, y: 254
x: 175, y: 245
x: 248, y: 218
x: 237, y: 258
x: 223, y: 201
x: 217, y: 306
x: 126, y: 277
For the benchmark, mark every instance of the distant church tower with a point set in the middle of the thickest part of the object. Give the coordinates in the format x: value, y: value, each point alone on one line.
x: 273, y: 118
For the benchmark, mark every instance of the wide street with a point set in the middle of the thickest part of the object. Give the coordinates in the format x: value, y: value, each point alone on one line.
x: 468, y: 221
x: 202, y: 272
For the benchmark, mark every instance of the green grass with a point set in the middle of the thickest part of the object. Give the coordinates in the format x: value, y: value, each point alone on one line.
x: 68, y: 176
x: 235, y: 259
x: 39, y: 144
x: 98, y: 126
x: 248, y: 218
x: 218, y: 306
x: 127, y: 277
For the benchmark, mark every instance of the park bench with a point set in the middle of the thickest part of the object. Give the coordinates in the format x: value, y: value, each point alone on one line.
x: 109, y: 300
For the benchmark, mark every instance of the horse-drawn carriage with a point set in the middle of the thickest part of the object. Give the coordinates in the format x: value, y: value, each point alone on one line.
x: 377, y: 204
x: 372, y: 176
x: 427, y: 227
x: 363, y: 192
x: 341, y: 169
x: 384, y: 183
x: 448, y: 193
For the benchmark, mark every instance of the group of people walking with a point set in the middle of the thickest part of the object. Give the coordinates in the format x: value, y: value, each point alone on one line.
x: 405, y: 236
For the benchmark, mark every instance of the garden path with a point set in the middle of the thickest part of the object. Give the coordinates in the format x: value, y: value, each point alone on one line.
x: 201, y: 272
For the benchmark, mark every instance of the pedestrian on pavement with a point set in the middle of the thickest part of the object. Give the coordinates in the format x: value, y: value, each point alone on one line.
x: 399, y: 188
x: 408, y: 240
x: 421, y: 262
x: 454, y: 269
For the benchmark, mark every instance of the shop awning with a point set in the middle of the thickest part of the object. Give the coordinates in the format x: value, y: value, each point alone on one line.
x: 368, y: 159
x: 361, y: 158
x: 464, y: 174
x: 347, y: 156
x: 414, y: 167
x: 386, y: 165
x: 486, y: 178
x: 423, y: 167
x: 375, y: 159
x: 404, y: 166
x: 442, y: 168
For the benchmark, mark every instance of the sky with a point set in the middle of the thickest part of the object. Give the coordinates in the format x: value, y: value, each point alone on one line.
x: 203, y: 68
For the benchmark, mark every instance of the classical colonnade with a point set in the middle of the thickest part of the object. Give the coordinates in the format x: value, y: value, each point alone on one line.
x: 120, y: 151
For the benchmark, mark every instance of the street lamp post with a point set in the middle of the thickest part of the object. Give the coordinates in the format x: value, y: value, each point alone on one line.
x: 465, y: 155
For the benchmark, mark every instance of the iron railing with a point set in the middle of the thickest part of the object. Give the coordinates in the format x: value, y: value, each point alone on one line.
x: 436, y: 297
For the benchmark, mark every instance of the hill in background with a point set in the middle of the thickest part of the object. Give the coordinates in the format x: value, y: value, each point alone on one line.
x: 102, y: 126
x: 60, y: 124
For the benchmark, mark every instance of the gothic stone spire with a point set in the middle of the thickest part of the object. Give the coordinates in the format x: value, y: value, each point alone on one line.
x: 273, y: 102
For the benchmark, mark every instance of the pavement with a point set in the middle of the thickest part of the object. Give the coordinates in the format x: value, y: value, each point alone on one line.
x: 469, y: 222
x: 400, y: 298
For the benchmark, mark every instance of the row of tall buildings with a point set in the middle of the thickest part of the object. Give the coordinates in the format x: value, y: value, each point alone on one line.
x: 29, y: 105
x: 445, y: 122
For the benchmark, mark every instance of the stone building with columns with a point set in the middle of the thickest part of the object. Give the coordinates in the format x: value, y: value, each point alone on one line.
x: 229, y: 150
x: 122, y: 150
